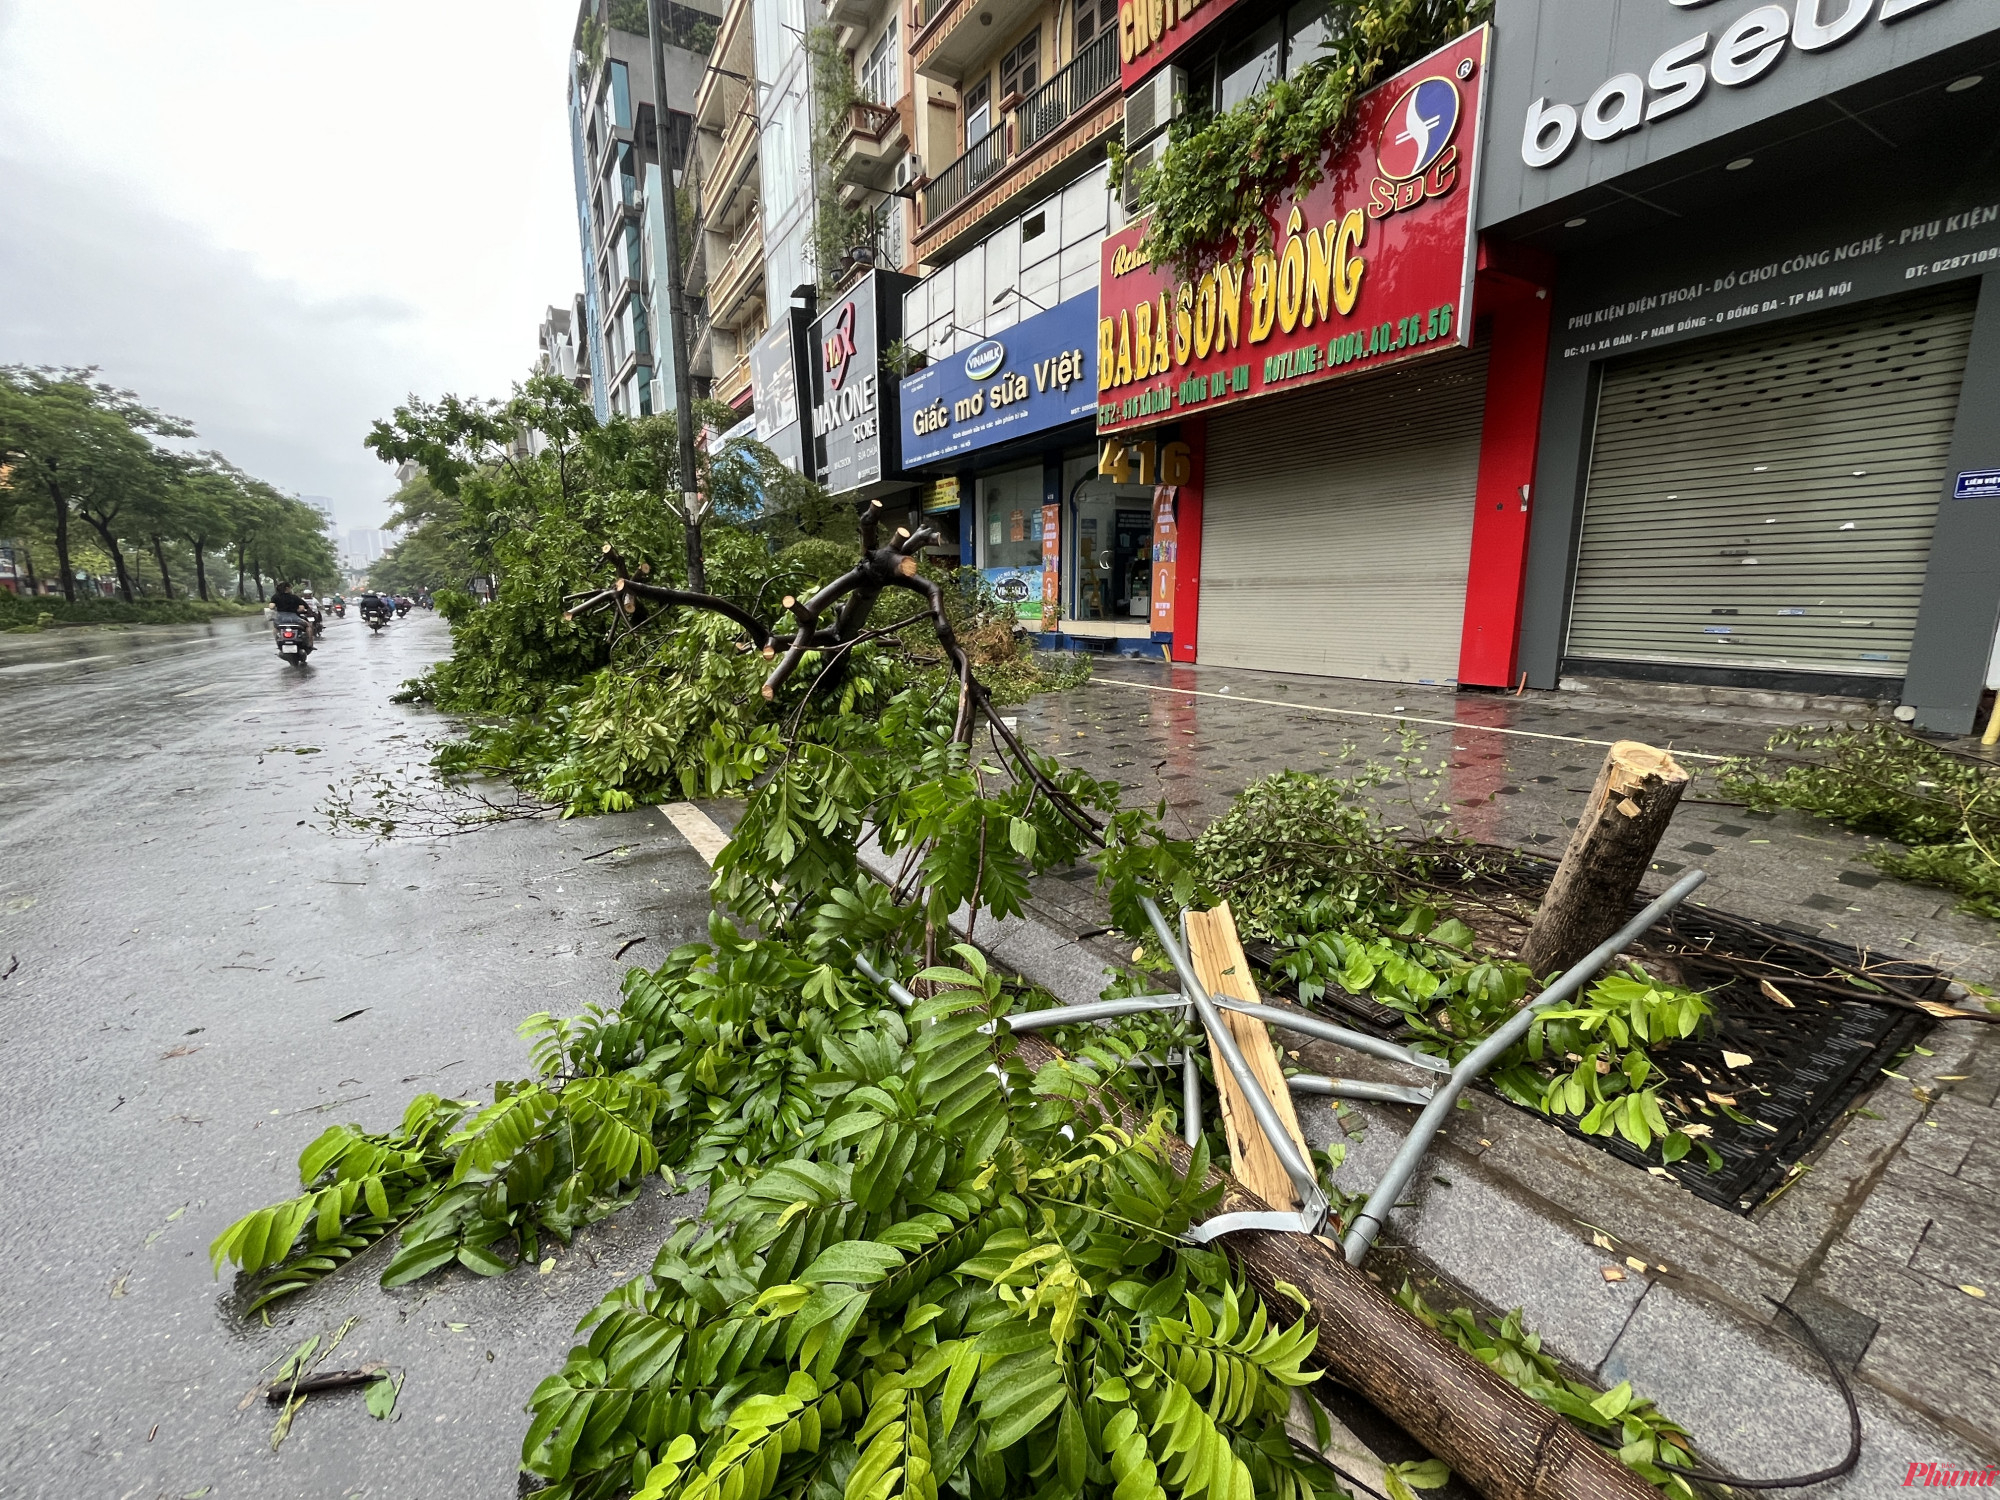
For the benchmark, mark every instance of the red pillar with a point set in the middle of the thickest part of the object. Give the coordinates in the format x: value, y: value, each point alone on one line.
x: 1187, y: 540
x: 1513, y: 292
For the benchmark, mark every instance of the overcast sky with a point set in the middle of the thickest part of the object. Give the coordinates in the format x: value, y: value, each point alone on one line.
x: 277, y: 218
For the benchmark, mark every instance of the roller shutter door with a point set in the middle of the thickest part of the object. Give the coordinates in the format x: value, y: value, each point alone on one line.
x: 1336, y: 525
x: 1766, y: 500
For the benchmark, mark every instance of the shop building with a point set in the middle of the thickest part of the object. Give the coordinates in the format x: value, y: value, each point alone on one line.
x: 1333, y: 423
x: 1000, y: 425
x: 852, y: 425
x: 1769, y: 439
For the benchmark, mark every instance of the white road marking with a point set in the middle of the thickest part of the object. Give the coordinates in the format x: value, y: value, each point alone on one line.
x: 1361, y: 713
x: 698, y: 828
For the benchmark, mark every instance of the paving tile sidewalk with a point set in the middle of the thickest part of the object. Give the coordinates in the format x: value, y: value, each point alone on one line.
x: 1900, y: 1208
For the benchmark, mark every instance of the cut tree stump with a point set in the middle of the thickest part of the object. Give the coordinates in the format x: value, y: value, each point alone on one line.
x: 1217, y: 953
x: 1590, y: 898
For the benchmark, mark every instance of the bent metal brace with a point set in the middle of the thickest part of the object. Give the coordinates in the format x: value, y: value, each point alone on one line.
x: 1437, y: 1099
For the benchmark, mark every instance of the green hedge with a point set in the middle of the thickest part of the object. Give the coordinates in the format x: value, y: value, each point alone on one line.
x: 16, y: 612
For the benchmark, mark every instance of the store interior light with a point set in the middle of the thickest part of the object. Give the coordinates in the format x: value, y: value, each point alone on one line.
x: 1739, y: 164
x: 1577, y: 223
x: 1969, y: 81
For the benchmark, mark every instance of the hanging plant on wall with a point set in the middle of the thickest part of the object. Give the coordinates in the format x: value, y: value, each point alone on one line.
x: 1221, y: 170
x: 837, y: 228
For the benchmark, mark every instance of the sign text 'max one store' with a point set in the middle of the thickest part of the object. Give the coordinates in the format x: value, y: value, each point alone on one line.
x: 1371, y: 265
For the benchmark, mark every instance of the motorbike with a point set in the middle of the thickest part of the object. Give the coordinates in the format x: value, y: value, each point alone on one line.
x: 294, y: 635
x: 340, y: 609
x: 374, y: 616
x: 402, y: 608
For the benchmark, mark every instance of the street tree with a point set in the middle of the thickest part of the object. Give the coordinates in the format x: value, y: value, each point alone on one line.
x: 79, y: 446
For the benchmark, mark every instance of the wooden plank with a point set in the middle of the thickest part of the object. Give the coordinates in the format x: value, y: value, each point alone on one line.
x: 1217, y: 953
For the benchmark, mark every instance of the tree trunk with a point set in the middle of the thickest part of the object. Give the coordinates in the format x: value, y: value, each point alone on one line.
x: 62, y: 537
x: 201, y: 567
x: 28, y: 561
x: 240, y: 550
x: 1590, y: 898
x: 160, y: 553
x: 110, y: 539
x: 1501, y: 1442
x: 257, y: 572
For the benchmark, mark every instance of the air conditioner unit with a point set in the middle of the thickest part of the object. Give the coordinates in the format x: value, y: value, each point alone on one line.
x: 1154, y: 104
x: 1137, y: 162
x: 909, y: 169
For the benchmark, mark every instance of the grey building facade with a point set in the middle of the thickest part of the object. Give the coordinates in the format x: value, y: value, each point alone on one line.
x: 1769, y: 449
x: 626, y: 161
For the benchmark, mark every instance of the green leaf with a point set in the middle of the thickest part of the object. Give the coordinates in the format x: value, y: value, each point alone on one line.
x: 414, y: 1261
x: 382, y: 1395
x: 481, y: 1261
x: 856, y: 1262
x: 1021, y: 835
x: 1613, y: 1403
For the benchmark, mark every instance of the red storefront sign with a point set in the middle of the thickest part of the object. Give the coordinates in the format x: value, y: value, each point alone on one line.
x: 1370, y: 266
x: 1152, y: 31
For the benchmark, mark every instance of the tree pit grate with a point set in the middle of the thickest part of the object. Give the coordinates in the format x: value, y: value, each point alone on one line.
x: 1808, y: 1062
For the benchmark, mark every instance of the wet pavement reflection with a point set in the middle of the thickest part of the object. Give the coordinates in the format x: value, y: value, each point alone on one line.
x: 1516, y: 771
x: 203, y: 978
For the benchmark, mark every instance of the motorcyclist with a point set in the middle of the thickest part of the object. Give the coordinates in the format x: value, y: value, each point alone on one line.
x: 285, y: 602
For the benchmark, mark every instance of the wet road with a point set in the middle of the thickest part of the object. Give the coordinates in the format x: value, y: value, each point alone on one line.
x: 203, y: 978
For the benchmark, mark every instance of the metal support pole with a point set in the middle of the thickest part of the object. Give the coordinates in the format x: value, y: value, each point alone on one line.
x: 1096, y: 1010
x: 1326, y: 1031
x: 1488, y: 1052
x: 1358, y: 1088
x: 676, y: 299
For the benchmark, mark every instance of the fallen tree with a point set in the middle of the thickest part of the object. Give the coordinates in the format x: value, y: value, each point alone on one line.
x: 931, y: 1253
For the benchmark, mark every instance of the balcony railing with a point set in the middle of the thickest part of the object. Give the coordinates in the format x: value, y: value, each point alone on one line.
x: 981, y: 162
x: 927, y: 9
x: 1090, y: 73
x: 867, y: 121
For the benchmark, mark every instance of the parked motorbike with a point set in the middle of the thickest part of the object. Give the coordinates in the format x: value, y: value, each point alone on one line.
x: 294, y: 636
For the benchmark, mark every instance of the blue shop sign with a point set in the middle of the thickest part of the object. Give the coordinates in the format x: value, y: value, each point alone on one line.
x: 1038, y: 374
x: 1976, y: 484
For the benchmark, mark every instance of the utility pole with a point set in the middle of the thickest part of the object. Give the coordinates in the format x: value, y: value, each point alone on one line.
x: 693, y: 504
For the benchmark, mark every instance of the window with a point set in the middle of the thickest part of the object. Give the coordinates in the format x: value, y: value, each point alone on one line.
x: 1012, y: 507
x: 621, y: 97
x: 1093, y: 17
x: 631, y: 253
x: 680, y: 135
x: 1021, y: 68
x: 1309, y: 29
x: 885, y: 231
x: 1249, y: 65
x: 978, y: 112
x: 882, y: 75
